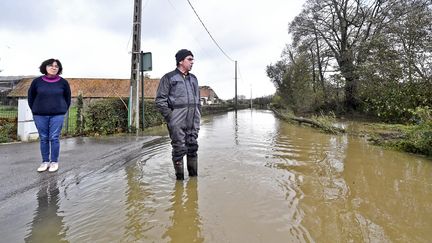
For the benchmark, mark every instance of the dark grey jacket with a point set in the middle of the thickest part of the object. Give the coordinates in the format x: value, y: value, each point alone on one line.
x: 178, y: 100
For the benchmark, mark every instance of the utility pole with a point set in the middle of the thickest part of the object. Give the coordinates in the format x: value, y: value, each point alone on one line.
x: 235, y: 103
x: 251, y: 97
x: 133, y: 114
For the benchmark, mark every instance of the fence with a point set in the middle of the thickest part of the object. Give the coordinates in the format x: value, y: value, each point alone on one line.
x: 70, y: 126
x: 9, y: 122
x: 8, y: 106
x: 8, y: 112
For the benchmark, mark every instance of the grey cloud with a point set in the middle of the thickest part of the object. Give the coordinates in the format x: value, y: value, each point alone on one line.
x: 160, y: 19
x: 26, y: 15
x: 113, y: 15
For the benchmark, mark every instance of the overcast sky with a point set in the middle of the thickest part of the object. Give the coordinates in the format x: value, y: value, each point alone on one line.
x: 92, y: 38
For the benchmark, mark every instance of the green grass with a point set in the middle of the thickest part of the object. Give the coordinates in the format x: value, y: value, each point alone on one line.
x: 8, y: 111
x: 72, y: 116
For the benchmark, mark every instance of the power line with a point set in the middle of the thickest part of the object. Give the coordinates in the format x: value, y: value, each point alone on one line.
x: 201, y: 47
x: 209, y: 32
x: 171, y: 4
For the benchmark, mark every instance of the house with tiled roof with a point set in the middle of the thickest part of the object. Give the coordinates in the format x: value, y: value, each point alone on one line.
x: 208, y: 96
x: 7, y: 84
x: 95, y: 88
x: 99, y: 88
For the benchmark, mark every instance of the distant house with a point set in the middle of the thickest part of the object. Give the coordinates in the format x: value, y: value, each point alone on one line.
x: 7, y: 84
x: 97, y: 88
x: 208, y: 96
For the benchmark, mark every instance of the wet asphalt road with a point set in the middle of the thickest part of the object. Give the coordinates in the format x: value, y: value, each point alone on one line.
x: 79, y: 157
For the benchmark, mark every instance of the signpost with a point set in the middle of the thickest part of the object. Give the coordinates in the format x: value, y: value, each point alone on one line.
x: 145, y: 65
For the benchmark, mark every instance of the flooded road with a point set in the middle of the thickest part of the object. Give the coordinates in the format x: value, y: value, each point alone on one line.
x: 260, y: 180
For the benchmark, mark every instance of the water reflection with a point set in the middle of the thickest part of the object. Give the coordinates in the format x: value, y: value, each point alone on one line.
x: 331, y: 167
x: 390, y: 194
x: 137, y: 210
x: 186, y: 224
x: 47, y: 225
x: 354, y: 191
x: 236, y: 136
x: 265, y: 181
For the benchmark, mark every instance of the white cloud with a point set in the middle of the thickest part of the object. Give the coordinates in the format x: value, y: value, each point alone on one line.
x: 93, y: 38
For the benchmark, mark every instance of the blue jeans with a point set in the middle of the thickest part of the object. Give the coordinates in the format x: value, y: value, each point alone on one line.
x: 49, y: 129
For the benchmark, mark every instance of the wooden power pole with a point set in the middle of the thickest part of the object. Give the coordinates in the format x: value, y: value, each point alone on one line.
x: 235, y: 102
x: 133, y: 115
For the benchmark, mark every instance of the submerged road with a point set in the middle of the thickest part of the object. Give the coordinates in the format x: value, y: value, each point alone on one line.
x: 80, y: 157
x: 260, y: 180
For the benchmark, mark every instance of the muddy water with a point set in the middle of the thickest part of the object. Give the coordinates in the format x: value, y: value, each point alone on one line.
x: 260, y: 180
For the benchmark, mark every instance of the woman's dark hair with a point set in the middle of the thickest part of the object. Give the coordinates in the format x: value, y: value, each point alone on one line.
x: 44, y: 64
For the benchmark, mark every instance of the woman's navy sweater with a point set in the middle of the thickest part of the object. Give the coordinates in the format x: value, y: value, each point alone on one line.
x: 49, y: 98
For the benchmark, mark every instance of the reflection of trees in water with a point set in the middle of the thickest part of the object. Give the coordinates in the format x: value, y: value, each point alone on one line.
x: 47, y: 225
x: 315, y: 164
x: 354, y: 191
x: 330, y: 189
x: 186, y: 224
x: 331, y: 166
x: 391, y: 194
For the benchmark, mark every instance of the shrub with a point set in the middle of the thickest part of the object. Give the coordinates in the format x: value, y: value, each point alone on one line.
x: 418, y: 140
x: 327, y: 123
x: 106, y: 117
x: 8, y: 130
x: 152, y: 116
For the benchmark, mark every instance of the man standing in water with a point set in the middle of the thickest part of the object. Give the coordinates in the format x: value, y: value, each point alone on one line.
x: 178, y: 100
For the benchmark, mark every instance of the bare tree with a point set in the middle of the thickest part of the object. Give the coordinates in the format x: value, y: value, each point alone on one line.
x: 411, y: 35
x: 344, y: 26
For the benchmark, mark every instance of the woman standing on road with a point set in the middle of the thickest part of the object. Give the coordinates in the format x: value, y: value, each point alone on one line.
x: 49, y: 98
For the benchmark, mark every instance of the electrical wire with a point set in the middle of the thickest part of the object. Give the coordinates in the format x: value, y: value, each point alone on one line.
x: 201, y: 48
x: 209, y: 32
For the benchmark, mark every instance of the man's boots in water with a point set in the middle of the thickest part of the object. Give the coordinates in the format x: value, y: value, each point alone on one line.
x: 178, y: 166
x: 192, y: 165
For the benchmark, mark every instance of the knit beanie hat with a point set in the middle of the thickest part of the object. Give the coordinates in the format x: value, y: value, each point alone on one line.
x: 182, y: 54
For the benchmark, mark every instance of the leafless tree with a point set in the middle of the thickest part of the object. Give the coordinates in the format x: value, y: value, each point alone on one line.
x: 344, y: 26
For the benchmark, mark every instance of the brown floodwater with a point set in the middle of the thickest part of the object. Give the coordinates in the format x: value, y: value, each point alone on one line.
x: 260, y: 180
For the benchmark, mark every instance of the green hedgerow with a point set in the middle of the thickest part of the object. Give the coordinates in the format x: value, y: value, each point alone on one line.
x: 107, y: 116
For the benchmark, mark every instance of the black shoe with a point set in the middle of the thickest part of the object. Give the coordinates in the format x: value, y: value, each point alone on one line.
x: 178, y: 167
x: 179, y: 176
x: 192, y: 165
